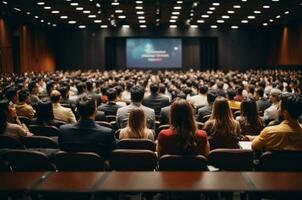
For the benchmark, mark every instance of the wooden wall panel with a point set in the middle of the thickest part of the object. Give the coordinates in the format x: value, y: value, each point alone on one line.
x: 6, y: 55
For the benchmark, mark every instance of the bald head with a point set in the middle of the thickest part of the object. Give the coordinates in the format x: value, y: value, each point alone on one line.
x: 55, y: 96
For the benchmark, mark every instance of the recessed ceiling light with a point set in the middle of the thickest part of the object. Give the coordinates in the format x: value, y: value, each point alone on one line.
x: 275, y: 0
x: 231, y: 11
x: 205, y: 16
x: 234, y: 27
x: 91, y: 16
x: 278, y: 16
x: 173, y: 26
x: 177, y: 8
x: 4, y: 2
x: 225, y: 17
x: 220, y: 21
x: 115, y: 3
x: 194, y: 26
x: 72, y: 22
x: 143, y: 26
x: 28, y: 13
x: 251, y: 17
x: 209, y: 12
x: 37, y: 17
x: 244, y: 21
x: 74, y: 4
x: 97, y: 21
x: 257, y: 12
x: 17, y: 9
x: 47, y: 7
x: 266, y: 6
x: 48, y: 23
x: 237, y: 6
x: 122, y: 17
x: 104, y: 26
x: 216, y: 4
x: 140, y: 12
x: 64, y: 17
x: 214, y: 26
x: 141, y: 21
x: 172, y: 20
x: 141, y: 17
x: 55, y: 11
x: 212, y: 8
x: 42, y: 20
x: 200, y: 21
x: 179, y: 2
x: 98, y: 5
x: 271, y: 20
x: 286, y: 12
x: 138, y: 2
x: 126, y: 26
x: 265, y: 24
x: 139, y: 7
x: 54, y: 25
x: 41, y: 3
x: 175, y: 13
x: 118, y: 11
x: 86, y: 11
x: 244, y: 0
x: 174, y: 17
x: 79, y: 8
x: 82, y: 26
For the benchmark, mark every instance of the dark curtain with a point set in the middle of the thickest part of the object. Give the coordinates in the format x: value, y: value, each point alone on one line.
x: 208, y: 53
x: 110, y: 53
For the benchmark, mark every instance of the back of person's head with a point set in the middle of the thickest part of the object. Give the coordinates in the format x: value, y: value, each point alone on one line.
x: 183, y: 122
x: 31, y: 86
x: 89, y: 85
x: 154, y: 87
x: 111, y: 94
x: 203, y: 89
x: 64, y: 92
x: 211, y: 96
x: 260, y: 91
x: 3, y: 115
x: 81, y: 87
x: 49, y: 86
x: 23, y: 95
x: 55, y: 96
x: 137, y: 123
x: 239, y: 90
x: 162, y: 88
x: 44, y: 112
x: 137, y: 93
x: 292, y: 104
x: 222, y: 117
x: 248, y: 110
x: 86, y: 106
x: 231, y: 93
x: 11, y: 93
x: 104, y: 89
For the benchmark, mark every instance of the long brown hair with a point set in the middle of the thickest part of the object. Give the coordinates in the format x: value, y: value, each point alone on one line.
x: 222, y: 117
x: 248, y: 110
x: 183, y: 122
x: 137, y: 124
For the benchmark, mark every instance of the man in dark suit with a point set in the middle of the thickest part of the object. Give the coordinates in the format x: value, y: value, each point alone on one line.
x: 156, y: 100
x: 262, y: 103
x: 111, y: 107
x: 86, y: 135
x: 207, y: 110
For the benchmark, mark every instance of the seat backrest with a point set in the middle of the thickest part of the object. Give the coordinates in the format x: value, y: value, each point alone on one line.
x: 137, y: 144
x: 231, y: 159
x: 78, y: 161
x: 25, y: 120
x: 182, y: 163
x: 280, y: 161
x: 104, y: 123
x: 48, y: 131
x: 27, y: 160
x: 40, y: 142
x: 10, y: 142
x: 4, y: 165
x: 133, y: 160
x: 110, y: 118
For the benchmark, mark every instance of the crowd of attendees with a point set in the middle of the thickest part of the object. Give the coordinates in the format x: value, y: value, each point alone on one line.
x: 204, y: 109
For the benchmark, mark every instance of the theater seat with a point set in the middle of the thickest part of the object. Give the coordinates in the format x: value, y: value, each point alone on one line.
x: 182, y: 163
x: 231, y: 159
x: 49, y: 131
x: 280, y: 161
x: 137, y: 144
x: 133, y: 160
x: 79, y: 161
x: 39, y: 142
x: 27, y: 160
x: 10, y: 143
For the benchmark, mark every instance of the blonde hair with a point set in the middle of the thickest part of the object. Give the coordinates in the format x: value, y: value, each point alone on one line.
x: 222, y: 117
x: 137, y: 127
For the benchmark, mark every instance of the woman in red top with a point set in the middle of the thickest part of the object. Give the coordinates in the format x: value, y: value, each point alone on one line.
x: 182, y: 138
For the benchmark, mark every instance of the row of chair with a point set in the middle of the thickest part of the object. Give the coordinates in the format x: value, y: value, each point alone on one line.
x: 146, y: 160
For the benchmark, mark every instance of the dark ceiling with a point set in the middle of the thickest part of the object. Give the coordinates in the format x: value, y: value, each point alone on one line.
x: 155, y: 13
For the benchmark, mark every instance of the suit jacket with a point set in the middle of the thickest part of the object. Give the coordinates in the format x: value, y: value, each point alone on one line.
x: 62, y: 113
x: 86, y: 135
x: 263, y: 104
x: 122, y: 115
x: 25, y: 110
x: 164, y: 115
x: 156, y: 102
x: 110, y: 108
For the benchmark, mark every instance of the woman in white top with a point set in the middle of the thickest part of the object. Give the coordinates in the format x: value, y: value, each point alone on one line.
x: 136, y: 127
